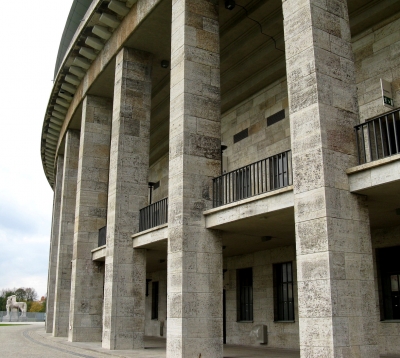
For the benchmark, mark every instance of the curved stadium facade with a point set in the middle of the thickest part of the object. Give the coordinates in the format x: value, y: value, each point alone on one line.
x: 226, y: 172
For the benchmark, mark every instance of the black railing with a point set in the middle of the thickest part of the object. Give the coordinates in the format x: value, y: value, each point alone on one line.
x: 260, y: 177
x: 102, y: 236
x: 153, y: 215
x: 378, y: 137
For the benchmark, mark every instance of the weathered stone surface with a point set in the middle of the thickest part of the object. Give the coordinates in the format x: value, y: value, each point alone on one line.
x: 334, y: 255
x: 194, y: 158
x: 66, y: 235
x: 125, y: 268
x: 263, y: 140
x: 279, y: 334
x: 53, y: 256
x: 87, y: 277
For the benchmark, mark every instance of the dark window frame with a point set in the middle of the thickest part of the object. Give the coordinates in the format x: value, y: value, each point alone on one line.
x: 155, y: 292
x: 388, y: 265
x: 244, y: 291
x: 283, y: 292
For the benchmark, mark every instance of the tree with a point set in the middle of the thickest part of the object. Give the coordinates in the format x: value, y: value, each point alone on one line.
x: 44, y: 302
x: 21, y: 294
x: 36, y: 306
x: 31, y: 294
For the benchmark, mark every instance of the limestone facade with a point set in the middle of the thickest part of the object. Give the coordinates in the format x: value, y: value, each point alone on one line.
x: 66, y: 235
x: 54, y: 243
x: 299, y: 264
x: 87, y: 277
x: 263, y: 140
x: 125, y: 271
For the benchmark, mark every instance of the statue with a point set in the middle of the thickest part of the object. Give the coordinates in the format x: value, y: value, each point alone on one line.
x: 12, y: 303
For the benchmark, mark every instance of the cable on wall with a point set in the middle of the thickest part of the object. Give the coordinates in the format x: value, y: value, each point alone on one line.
x: 230, y: 5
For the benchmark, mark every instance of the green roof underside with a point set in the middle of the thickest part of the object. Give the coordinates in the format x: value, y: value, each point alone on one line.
x: 76, y: 14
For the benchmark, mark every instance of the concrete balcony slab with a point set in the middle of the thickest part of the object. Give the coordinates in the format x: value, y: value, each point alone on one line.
x: 221, y: 217
x: 99, y: 253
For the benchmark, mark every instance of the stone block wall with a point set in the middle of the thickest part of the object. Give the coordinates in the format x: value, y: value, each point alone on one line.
x: 388, y: 331
x: 158, y: 172
x: 53, y: 255
x: 263, y: 141
x: 377, y: 55
x: 152, y: 327
x: 280, y: 334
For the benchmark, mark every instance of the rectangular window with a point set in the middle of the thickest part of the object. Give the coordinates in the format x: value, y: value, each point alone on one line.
x: 154, y: 300
x: 278, y: 116
x: 283, y: 292
x: 244, y: 294
x: 241, y: 135
x: 388, y: 264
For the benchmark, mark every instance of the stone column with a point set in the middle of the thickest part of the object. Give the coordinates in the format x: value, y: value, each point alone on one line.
x: 87, y: 277
x: 125, y: 282
x: 66, y: 234
x: 51, y: 278
x: 337, y: 313
x: 194, y: 253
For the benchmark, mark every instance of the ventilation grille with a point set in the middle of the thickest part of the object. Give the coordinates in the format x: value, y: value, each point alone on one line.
x: 241, y: 135
x: 278, y: 116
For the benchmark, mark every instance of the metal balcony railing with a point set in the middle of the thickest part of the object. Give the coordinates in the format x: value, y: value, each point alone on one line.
x: 102, y: 236
x: 260, y: 177
x: 153, y: 215
x: 378, y: 137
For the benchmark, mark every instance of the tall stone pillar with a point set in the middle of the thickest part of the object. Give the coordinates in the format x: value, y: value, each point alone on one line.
x: 194, y: 253
x: 337, y: 313
x: 125, y: 282
x: 87, y: 277
x: 52, y: 273
x: 66, y: 235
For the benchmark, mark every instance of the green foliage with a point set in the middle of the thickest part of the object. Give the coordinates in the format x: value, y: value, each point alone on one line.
x: 36, y: 307
x: 44, y: 305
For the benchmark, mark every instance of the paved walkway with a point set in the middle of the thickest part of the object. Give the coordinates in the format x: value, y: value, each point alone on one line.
x: 31, y: 341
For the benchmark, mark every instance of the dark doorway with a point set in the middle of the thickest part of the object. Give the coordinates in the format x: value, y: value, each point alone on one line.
x: 389, y: 276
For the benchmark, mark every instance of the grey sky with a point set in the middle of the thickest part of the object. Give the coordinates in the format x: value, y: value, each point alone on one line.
x: 30, y: 35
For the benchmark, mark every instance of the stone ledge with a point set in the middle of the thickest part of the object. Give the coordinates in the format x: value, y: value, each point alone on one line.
x: 99, y: 253
x: 248, y: 200
x: 150, y: 236
x: 373, y: 164
x: 374, y: 174
x: 256, y: 205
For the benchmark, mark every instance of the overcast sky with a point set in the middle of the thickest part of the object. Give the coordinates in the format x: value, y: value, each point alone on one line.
x: 30, y: 35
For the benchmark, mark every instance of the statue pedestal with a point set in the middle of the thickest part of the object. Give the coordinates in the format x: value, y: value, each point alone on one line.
x: 6, y: 318
x: 22, y: 319
x: 14, y: 315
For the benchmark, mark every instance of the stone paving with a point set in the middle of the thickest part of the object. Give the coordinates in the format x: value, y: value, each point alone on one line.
x: 32, y: 341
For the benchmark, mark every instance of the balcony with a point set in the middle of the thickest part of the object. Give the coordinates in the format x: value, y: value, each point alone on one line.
x: 155, y: 214
x: 378, y: 137
x: 99, y: 253
x: 266, y: 175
